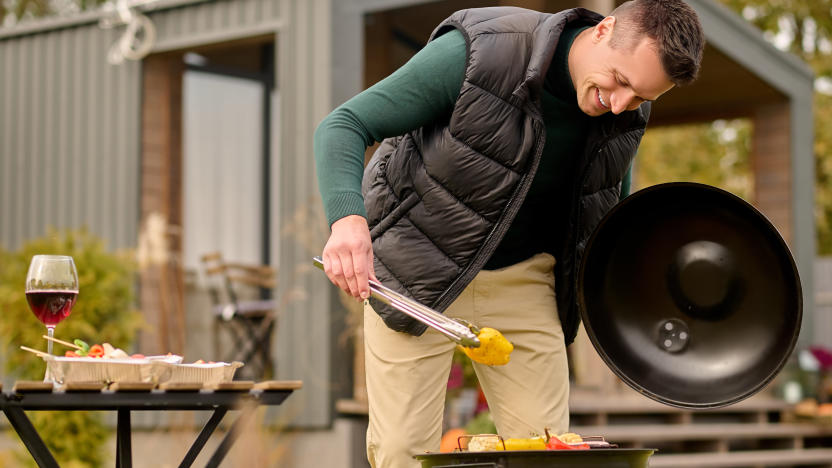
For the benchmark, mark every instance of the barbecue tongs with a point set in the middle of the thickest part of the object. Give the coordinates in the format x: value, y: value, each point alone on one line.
x: 459, y: 331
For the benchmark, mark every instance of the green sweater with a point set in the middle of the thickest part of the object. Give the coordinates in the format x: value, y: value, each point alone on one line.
x: 425, y: 90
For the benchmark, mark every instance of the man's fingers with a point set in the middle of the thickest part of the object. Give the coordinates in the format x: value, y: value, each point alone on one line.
x: 360, y: 268
x: 332, y: 267
x: 347, y: 249
x: 349, y: 274
x: 371, y: 273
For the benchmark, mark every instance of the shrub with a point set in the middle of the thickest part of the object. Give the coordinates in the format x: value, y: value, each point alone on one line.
x: 105, y: 311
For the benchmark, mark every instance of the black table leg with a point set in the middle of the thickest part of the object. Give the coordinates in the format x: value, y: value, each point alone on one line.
x: 203, y: 437
x: 230, y: 437
x: 23, y: 426
x: 124, y: 451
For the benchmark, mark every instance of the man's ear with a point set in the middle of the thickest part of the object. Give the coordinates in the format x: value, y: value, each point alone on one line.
x: 603, y: 30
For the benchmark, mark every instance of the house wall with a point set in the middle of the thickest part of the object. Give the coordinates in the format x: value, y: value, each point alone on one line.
x: 68, y: 136
x: 71, y: 152
x: 70, y: 122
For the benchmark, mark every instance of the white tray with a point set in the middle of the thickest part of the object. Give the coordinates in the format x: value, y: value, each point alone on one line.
x: 155, y: 369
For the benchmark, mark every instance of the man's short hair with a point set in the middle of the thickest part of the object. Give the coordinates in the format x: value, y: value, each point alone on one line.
x: 674, y: 26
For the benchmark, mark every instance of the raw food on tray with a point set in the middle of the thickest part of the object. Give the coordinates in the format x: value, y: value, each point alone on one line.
x: 206, y: 373
x: 108, y: 364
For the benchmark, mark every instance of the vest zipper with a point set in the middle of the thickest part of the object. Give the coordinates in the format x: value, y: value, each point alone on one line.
x: 576, y: 267
x: 464, y: 278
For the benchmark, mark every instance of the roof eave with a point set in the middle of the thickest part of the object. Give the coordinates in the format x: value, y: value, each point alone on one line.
x: 745, y: 44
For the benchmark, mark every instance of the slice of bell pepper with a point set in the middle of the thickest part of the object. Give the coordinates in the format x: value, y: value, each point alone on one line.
x: 557, y: 444
x: 84, y: 347
x: 96, y: 350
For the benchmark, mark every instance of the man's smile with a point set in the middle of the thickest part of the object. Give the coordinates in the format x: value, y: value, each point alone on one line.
x: 601, y: 100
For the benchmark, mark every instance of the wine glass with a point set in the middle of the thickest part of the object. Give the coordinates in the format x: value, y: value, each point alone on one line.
x: 51, y: 290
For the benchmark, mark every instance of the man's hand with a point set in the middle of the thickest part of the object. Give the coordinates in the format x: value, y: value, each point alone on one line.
x: 348, y: 256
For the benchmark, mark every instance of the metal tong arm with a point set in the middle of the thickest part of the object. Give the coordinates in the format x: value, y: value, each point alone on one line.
x: 453, y: 329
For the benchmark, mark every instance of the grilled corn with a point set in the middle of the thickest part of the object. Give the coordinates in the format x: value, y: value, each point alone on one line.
x: 533, y: 443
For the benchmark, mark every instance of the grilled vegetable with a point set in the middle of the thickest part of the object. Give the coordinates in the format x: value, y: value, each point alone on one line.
x: 565, y: 441
x: 96, y: 350
x: 570, y: 438
x: 494, y: 349
x: 485, y: 443
x: 533, y: 443
x: 85, y: 348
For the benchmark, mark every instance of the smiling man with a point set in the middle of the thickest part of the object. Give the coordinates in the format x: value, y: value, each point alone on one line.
x: 504, y: 142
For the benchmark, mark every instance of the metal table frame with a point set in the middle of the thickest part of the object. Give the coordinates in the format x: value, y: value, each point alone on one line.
x: 123, y: 402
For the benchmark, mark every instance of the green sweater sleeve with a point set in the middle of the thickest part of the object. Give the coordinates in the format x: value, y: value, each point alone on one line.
x: 421, y: 91
x: 626, y: 184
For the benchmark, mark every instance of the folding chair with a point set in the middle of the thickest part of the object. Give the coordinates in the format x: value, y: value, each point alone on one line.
x: 242, y: 305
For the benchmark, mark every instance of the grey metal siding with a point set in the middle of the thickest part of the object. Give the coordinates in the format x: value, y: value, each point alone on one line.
x: 211, y: 22
x: 70, y: 122
x: 68, y: 128
x: 305, y: 340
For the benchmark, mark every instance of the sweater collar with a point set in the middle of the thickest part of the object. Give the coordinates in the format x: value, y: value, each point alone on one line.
x: 558, y: 80
x: 545, y: 39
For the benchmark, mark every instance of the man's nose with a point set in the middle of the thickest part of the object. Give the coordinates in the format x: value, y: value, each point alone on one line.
x: 621, y: 100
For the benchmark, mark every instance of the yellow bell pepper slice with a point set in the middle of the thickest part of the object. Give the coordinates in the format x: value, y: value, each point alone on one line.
x: 533, y: 443
x: 494, y: 349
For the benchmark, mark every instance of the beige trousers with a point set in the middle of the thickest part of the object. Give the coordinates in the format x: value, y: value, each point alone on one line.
x: 407, y: 375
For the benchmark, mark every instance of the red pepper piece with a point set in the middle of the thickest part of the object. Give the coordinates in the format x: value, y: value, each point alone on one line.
x: 556, y: 444
x: 96, y: 350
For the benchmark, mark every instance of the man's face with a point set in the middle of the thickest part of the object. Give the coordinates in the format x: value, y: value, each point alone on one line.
x: 609, y: 79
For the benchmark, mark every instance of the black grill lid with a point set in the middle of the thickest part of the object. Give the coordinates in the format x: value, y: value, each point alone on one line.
x: 690, y: 295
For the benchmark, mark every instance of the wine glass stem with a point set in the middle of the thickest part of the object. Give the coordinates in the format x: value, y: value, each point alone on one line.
x: 50, y: 331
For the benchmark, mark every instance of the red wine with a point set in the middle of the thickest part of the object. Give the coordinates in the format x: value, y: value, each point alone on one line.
x: 51, y: 307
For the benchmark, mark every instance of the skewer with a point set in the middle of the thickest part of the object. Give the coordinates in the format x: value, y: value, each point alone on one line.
x: 35, y: 351
x: 65, y: 343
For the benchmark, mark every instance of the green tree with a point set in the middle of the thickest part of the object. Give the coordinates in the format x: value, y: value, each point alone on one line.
x: 105, y: 311
x: 14, y: 11
x: 713, y: 153
x: 703, y: 153
x: 804, y: 28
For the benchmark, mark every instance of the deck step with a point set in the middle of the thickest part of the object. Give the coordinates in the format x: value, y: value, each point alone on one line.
x: 820, y: 457
x: 583, y: 401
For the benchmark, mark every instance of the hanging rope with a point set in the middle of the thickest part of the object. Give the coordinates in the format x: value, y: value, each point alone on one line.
x: 139, y: 35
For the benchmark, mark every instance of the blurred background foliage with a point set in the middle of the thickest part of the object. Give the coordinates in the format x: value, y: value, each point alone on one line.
x: 14, y: 11
x: 804, y: 28
x: 105, y: 310
x: 714, y: 153
x: 718, y: 153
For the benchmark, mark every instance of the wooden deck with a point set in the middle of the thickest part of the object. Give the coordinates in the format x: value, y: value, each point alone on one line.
x: 757, y: 432
x: 754, y: 433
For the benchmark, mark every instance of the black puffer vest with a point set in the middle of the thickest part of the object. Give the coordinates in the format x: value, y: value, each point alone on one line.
x: 439, y: 199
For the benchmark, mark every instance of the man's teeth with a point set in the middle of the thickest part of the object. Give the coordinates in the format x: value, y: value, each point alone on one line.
x: 602, y: 99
